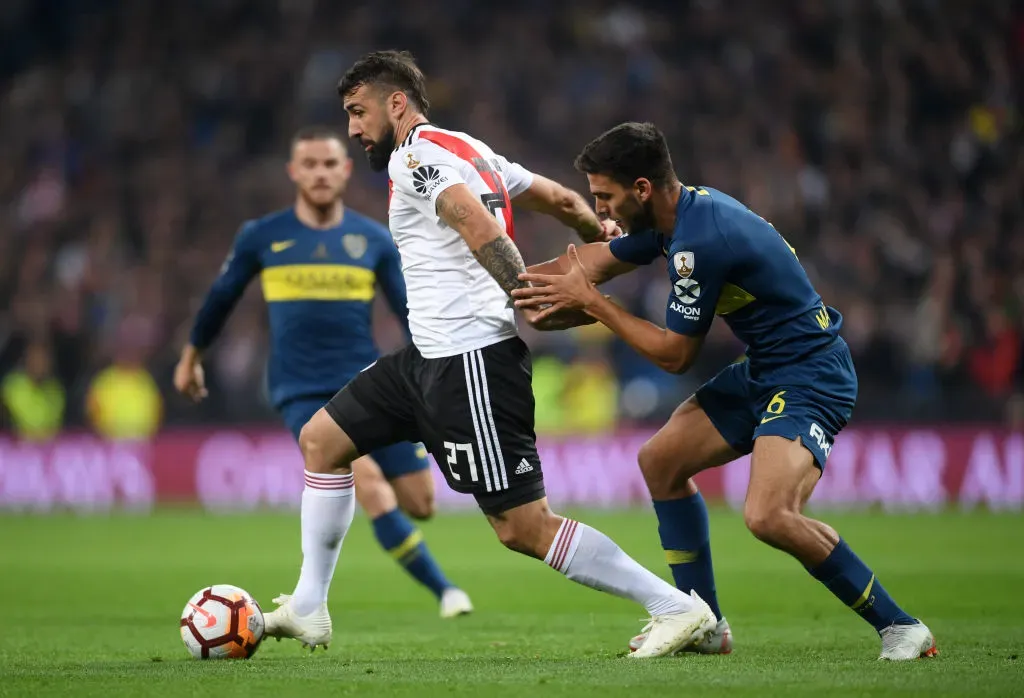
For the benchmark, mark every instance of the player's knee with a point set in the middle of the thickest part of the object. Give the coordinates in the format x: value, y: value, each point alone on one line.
x: 374, y: 496
x: 415, y: 492
x: 318, y: 453
x: 419, y: 505
x: 647, y: 459
x: 665, y: 477
x: 515, y: 538
x: 311, y: 447
x: 528, y: 529
x: 767, y: 523
x: 522, y: 535
x: 757, y: 522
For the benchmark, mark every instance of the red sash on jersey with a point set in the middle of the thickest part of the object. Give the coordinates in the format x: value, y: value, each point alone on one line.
x: 465, y: 151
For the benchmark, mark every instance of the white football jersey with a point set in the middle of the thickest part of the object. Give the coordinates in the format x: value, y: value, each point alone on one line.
x: 455, y: 305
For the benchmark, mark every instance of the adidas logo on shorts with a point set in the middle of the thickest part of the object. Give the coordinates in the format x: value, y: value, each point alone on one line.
x: 523, y: 467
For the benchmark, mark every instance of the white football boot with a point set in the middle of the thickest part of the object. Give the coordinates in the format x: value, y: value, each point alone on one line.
x: 455, y: 602
x: 901, y: 643
x: 666, y: 634
x: 312, y: 630
x: 718, y: 642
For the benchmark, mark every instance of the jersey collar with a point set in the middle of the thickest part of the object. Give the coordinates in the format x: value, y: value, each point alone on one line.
x: 412, y: 132
x: 685, y: 199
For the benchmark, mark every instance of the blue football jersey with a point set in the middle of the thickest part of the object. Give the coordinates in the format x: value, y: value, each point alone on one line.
x: 723, y: 259
x: 319, y: 286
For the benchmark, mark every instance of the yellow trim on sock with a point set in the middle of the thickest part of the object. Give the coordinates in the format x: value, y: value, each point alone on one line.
x: 407, y: 545
x: 680, y: 557
x: 865, y: 596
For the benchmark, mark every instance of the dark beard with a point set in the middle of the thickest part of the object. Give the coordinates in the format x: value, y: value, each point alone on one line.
x: 642, y: 220
x: 380, y: 154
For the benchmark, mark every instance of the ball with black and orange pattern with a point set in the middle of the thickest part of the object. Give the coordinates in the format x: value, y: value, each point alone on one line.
x: 222, y: 622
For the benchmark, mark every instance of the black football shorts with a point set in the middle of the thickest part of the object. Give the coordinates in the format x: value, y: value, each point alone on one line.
x: 473, y: 411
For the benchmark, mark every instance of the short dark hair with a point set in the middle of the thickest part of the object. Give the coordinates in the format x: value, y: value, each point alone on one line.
x: 396, y: 70
x: 628, y: 152
x: 317, y: 133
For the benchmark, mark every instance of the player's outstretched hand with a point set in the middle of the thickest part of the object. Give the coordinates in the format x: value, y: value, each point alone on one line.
x: 554, y: 293
x: 189, y: 379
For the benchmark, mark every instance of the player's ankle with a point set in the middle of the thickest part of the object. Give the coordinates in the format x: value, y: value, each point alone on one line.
x: 678, y: 602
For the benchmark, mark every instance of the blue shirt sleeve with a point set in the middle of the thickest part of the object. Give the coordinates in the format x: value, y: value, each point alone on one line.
x: 638, y: 248
x: 389, y: 276
x: 698, y: 275
x: 241, y: 265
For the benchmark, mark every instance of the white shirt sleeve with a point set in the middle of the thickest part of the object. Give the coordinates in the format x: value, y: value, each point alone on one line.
x: 423, y: 170
x: 517, y: 178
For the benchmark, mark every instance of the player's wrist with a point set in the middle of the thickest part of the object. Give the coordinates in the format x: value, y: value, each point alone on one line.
x: 595, y: 302
x: 590, y: 230
x: 191, y: 354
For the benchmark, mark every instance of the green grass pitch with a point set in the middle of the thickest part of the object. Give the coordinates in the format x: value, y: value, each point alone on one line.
x: 90, y: 606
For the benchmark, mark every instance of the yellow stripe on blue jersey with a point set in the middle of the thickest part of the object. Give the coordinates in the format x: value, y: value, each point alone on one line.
x: 732, y: 299
x: 725, y: 260
x: 317, y: 282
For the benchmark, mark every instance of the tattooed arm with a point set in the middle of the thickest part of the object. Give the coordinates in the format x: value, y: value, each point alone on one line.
x: 462, y: 211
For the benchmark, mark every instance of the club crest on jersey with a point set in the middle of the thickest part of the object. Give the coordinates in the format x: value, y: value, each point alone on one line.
x: 411, y: 162
x: 354, y: 244
x: 426, y: 179
x: 683, y: 262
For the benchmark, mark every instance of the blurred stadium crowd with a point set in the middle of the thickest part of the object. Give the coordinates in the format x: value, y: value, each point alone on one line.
x: 882, y: 137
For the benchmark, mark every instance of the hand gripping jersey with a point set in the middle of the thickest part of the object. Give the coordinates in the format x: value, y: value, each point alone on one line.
x: 455, y: 306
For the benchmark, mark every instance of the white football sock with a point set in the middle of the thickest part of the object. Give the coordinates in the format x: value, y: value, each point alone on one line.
x: 589, y: 557
x: 328, y: 506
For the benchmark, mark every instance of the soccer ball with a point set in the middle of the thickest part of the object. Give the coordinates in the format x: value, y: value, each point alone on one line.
x: 222, y: 622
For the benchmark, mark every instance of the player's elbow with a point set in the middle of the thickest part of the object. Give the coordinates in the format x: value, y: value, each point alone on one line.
x: 478, y: 229
x: 676, y: 363
x: 673, y: 365
x: 476, y: 236
x: 677, y: 352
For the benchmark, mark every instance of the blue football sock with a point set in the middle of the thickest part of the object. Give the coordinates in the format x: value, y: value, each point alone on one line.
x: 853, y: 583
x: 683, y: 527
x: 404, y: 542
